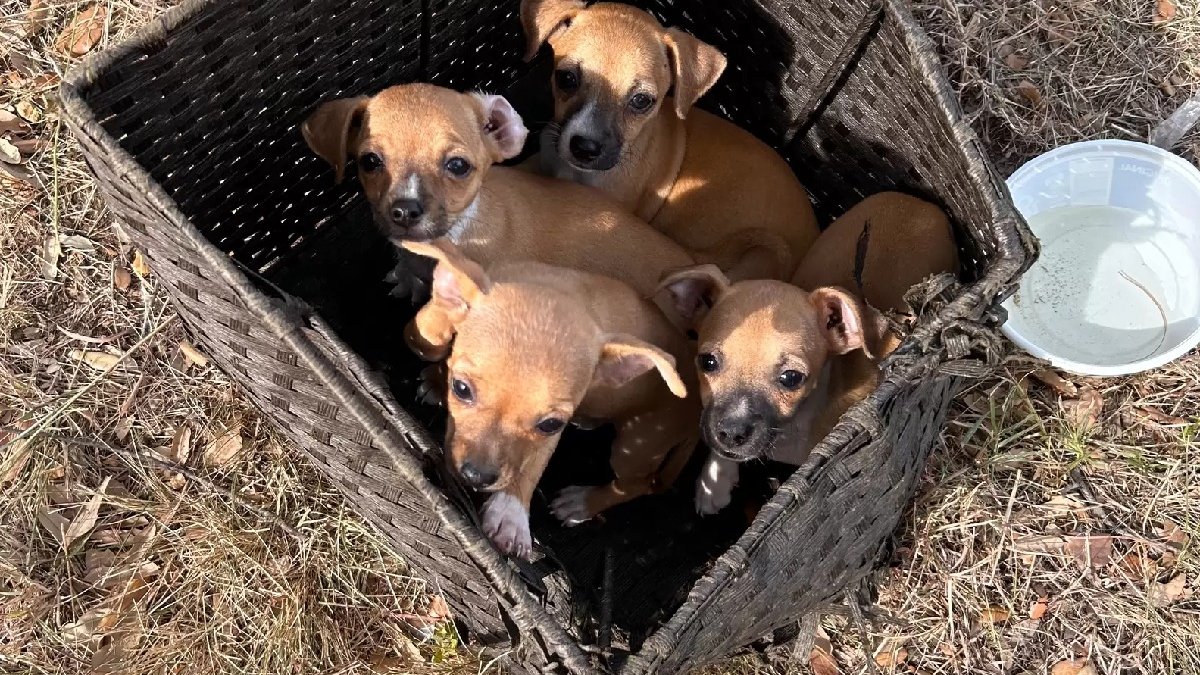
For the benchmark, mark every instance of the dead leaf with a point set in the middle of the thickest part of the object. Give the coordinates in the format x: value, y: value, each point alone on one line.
x: 29, y: 112
x: 947, y: 648
x: 139, y: 265
x: 85, y: 520
x: 1090, y: 549
x: 1174, y: 534
x: 1038, y: 610
x: 9, y: 154
x: 1072, y: 667
x: 181, y: 444
x: 54, y: 522
x: 224, y: 447
x: 192, y: 354
x: 84, y: 32
x: 1016, y: 61
x: 36, y: 17
x: 1056, y: 382
x: 1029, y: 92
x: 1084, y: 413
x: 121, y: 278
x: 1040, y: 544
x: 1164, y: 11
x: 10, y: 123
x: 1059, y: 30
x: 993, y: 615
x: 1158, y: 417
x: 822, y: 663
x: 97, y: 360
x: 19, y: 173
x: 79, y: 243
x: 1061, y: 505
x: 51, y: 252
x: 29, y: 146
x: 889, y: 658
x: 1164, y: 595
x: 177, y: 481
x: 122, y: 428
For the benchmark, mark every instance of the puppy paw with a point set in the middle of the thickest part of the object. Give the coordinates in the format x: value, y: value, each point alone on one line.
x: 506, y: 523
x: 714, y: 488
x: 570, y: 506
x: 431, y: 390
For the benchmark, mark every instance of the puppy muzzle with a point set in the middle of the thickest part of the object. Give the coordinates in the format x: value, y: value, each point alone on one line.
x: 587, y: 143
x: 740, y: 430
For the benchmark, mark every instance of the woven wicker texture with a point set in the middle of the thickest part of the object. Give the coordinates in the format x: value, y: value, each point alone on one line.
x: 192, y: 132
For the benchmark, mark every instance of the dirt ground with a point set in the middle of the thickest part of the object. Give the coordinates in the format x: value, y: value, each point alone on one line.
x: 248, y: 561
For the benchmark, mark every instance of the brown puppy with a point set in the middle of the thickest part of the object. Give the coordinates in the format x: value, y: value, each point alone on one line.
x: 905, y: 240
x: 537, y: 346
x: 703, y: 181
x: 425, y: 156
x: 779, y: 364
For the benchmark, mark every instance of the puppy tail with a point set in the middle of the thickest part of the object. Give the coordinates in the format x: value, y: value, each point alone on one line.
x: 676, y: 460
x: 753, y: 253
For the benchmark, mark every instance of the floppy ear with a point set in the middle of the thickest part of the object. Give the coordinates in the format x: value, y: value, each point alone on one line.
x: 841, y: 316
x: 503, y: 128
x: 457, y: 281
x: 543, y: 18
x: 697, y: 66
x: 694, y: 289
x: 624, y: 357
x: 332, y: 131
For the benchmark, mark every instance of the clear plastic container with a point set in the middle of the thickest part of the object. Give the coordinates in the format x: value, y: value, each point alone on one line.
x: 1117, y: 288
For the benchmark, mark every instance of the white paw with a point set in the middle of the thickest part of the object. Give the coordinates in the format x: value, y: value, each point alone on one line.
x: 570, y: 506
x: 714, y: 489
x: 507, y: 524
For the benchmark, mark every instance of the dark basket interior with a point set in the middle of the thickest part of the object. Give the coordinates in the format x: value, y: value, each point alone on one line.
x: 212, y: 112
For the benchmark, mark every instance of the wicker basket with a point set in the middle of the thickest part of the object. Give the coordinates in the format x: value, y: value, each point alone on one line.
x: 192, y: 131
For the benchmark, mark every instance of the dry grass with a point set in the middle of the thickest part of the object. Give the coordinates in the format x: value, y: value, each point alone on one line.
x: 1001, y: 565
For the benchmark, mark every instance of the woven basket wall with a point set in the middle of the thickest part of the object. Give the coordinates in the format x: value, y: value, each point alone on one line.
x: 192, y: 131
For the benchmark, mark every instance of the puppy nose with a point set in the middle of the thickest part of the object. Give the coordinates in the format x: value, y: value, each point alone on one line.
x: 404, y: 210
x: 585, y: 149
x: 477, y: 476
x: 734, y: 432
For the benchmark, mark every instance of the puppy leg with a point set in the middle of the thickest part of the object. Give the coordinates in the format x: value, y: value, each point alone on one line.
x: 638, y: 453
x: 506, y: 523
x: 411, y: 276
x: 714, y: 489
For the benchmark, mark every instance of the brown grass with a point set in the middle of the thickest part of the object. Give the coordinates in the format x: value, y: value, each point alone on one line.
x: 246, y: 560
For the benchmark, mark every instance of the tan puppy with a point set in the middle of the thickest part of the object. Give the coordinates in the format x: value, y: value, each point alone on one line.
x: 905, y: 240
x: 537, y: 346
x: 701, y: 180
x: 779, y: 365
x: 425, y: 157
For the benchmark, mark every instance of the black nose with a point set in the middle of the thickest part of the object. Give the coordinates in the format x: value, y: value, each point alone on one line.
x: 477, y: 476
x: 585, y: 149
x: 734, y: 432
x: 405, y: 210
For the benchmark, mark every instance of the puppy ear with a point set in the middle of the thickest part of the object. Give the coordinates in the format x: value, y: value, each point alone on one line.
x: 457, y: 281
x: 624, y: 357
x: 841, y: 315
x: 543, y: 18
x: 502, y: 126
x: 694, y: 289
x: 697, y: 66
x: 332, y: 131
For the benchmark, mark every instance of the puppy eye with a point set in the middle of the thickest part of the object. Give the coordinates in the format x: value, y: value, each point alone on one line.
x: 641, y: 102
x: 458, y: 167
x: 566, y: 81
x: 462, y: 391
x: 791, y: 379
x: 370, y: 162
x: 550, y: 426
x: 708, y: 362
